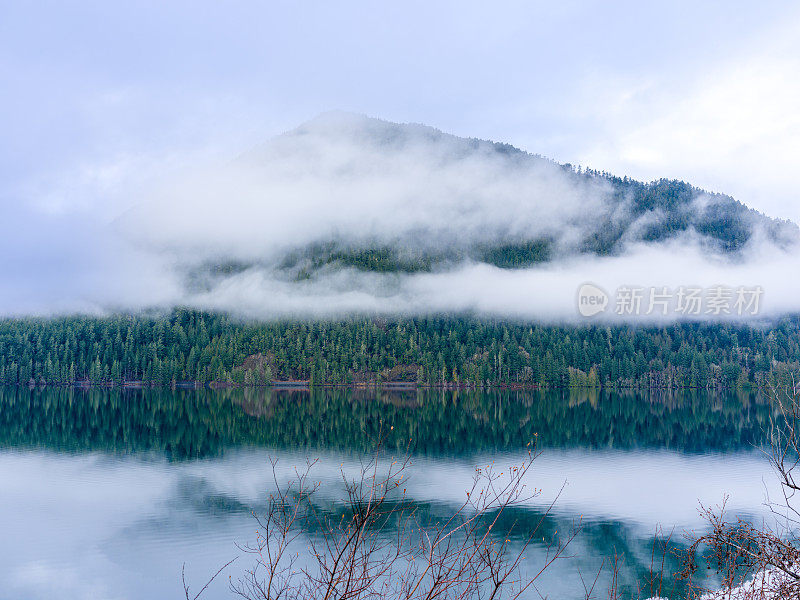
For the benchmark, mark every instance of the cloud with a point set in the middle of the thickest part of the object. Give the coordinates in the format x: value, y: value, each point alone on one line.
x: 546, y: 293
x: 64, y: 263
x: 347, y: 176
x: 733, y: 127
x: 251, y: 236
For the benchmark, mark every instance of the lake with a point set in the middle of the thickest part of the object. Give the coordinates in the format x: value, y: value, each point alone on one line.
x: 107, y: 493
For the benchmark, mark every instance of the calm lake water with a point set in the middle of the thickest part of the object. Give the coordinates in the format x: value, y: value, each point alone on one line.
x: 105, y: 494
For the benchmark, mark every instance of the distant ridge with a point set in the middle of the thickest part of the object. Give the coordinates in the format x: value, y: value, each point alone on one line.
x: 347, y: 191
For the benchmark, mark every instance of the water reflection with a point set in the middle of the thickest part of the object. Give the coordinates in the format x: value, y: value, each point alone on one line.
x: 106, y: 493
x: 193, y: 424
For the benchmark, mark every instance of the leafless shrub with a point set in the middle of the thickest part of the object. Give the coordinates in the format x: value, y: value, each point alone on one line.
x: 759, y: 562
x: 378, y: 544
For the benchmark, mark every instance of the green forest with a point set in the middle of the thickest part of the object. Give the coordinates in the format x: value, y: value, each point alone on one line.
x: 190, y: 347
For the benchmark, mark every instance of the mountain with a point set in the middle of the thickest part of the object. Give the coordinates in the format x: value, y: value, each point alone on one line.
x: 345, y: 191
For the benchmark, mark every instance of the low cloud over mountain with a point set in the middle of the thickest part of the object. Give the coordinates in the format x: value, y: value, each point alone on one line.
x: 351, y: 214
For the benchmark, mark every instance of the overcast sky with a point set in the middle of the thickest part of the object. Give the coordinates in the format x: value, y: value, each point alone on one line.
x: 98, y: 98
x: 103, y: 102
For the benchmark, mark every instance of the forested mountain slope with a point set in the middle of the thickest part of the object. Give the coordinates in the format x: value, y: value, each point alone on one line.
x: 346, y: 191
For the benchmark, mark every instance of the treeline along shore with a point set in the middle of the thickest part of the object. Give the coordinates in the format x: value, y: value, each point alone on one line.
x: 191, y: 348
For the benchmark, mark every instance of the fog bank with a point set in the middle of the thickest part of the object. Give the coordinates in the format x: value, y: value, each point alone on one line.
x: 350, y: 215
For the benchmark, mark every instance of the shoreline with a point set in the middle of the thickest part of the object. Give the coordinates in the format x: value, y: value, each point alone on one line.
x: 386, y: 385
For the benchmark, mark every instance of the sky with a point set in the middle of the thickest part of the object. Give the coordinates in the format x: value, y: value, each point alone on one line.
x: 99, y: 96
x: 103, y: 100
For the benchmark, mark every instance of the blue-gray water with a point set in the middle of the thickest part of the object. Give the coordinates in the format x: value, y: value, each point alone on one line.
x: 105, y: 494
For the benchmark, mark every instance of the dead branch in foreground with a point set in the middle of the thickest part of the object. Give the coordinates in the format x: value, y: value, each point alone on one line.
x: 377, y: 545
x: 759, y: 562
